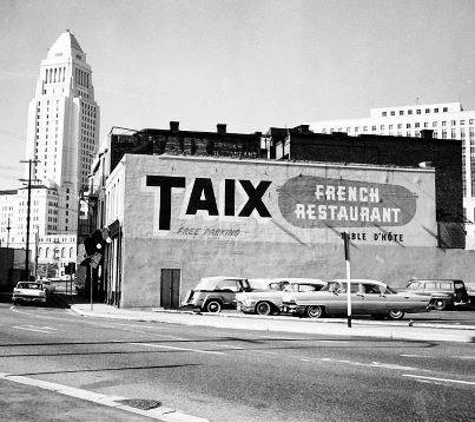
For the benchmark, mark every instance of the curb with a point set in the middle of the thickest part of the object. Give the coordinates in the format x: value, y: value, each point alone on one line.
x: 272, y: 324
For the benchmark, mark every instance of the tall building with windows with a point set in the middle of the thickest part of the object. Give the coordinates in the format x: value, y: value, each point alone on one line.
x: 62, y: 138
x: 446, y: 120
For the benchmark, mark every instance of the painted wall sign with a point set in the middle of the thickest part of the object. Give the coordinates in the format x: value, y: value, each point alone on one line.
x: 203, y: 197
x: 309, y: 201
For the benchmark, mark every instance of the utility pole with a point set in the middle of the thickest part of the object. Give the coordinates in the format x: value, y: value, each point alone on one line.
x: 28, y: 212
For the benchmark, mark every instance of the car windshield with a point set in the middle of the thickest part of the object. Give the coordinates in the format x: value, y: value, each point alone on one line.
x: 34, y: 286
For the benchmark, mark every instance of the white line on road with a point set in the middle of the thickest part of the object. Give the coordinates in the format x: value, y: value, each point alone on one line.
x: 438, y: 379
x: 160, y: 413
x: 34, y: 328
x: 183, y: 349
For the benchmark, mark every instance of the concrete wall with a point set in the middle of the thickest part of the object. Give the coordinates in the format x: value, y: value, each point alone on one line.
x: 395, y: 265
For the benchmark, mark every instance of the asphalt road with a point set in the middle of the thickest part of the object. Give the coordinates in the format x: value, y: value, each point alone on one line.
x: 234, y: 375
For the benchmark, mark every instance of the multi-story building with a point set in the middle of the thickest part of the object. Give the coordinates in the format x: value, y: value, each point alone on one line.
x: 62, y: 138
x: 446, y: 120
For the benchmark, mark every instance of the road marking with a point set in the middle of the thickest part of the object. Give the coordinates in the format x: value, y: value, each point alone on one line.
x: 378, y: 365
x: 438, y: 379
x: 183, y: 349
x: 44, y: 329
x: 161, y: 413
x: 417, y: 356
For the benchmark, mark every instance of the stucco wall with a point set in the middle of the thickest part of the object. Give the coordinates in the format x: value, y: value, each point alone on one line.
x: 394, y: 265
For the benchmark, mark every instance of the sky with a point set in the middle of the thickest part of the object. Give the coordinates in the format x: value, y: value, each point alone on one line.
x: 250, y: 64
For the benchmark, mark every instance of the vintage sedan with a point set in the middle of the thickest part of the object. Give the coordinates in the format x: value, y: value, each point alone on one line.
x: 212, y: 294
x: 369, y: 297
x: 269, y: 301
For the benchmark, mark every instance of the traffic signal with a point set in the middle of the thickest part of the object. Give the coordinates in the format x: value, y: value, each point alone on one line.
x: 93, y: 243
x: 70, y: 268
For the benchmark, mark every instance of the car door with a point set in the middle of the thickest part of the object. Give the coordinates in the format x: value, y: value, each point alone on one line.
x: 369, y: 299
x: 226, y: 290
x: 337, y: 303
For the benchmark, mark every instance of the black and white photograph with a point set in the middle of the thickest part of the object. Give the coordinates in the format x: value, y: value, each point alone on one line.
x: 237, y: 210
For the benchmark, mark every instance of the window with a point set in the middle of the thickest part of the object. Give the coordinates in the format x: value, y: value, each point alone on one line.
x: 401, y: 112
x: 373, y: 127
x: 382, y: 127
x: 462, y: 122
x: 427, y: 110
x: 228, y: 285
x: 409, y: 111
x: 445, y: 109
x: 417, y: 124
x: 385, y: 113
x: 399, y: 126
x: 444, y: 123
x: 418, y: 111
x: 434, y: 124
x: 436, y: 110
x: 408, y: 125
x: 393, y: 113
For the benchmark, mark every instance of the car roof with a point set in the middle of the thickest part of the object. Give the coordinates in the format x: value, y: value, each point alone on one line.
x: 358, y: 280
x: 220, y: 277
x: 300, y: 280
x: 423, y: 280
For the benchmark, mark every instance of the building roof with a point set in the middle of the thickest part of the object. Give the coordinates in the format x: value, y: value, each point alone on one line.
x: 65, y: 44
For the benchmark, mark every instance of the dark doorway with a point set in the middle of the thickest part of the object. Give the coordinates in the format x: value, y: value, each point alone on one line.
x: 170, y: 289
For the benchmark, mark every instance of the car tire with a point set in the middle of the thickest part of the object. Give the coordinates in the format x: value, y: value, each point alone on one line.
x: 440, y: 304
x: 263, y: 308
x: 315, y: 311
x: 213, y: 306
x: 396, y: 315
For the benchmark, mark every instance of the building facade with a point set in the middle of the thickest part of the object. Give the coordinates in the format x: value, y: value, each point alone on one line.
x: 62, y: 138
x: 178, y: 205
x: 446, y: 120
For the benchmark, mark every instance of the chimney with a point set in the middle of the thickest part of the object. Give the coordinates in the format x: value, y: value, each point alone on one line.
x: 221, y: 128
x: 304, y: 129
x: 427, y: 133
x: 174, y: 126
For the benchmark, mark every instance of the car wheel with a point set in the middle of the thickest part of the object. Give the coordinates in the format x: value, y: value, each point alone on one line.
x: 213, y: 306
x: 440, y: 304
x: 396, y: 314
x: 315, y: 311
x: 263, y: 308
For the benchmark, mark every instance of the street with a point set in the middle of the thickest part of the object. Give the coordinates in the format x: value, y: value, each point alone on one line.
x: 238, y: 375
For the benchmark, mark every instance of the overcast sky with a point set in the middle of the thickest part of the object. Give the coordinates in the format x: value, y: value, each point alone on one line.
x: 249, y: 63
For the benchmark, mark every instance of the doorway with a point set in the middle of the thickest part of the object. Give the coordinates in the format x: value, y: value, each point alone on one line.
x: 170, y: 289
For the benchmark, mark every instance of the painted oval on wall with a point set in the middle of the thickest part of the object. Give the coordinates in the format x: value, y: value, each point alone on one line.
x: 309, y: 201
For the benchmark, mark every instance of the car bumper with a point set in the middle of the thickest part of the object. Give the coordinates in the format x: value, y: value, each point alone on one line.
x: 29, y: 299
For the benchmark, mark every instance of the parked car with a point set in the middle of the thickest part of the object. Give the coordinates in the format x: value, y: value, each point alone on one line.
x: 29, y: 291
x: 470, y: 286
x: 269, y: 301
x: 212, y: 294
x: 443, y: 293
x: 370, y: 297
x: 48, y: 285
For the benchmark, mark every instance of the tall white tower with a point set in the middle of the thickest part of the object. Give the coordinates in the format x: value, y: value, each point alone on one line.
x: 63, y: 129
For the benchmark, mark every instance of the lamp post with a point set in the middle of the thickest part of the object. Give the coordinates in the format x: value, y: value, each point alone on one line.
x: 28, y: 212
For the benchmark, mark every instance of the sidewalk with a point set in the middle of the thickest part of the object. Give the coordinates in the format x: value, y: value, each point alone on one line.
x: 406, y: 329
